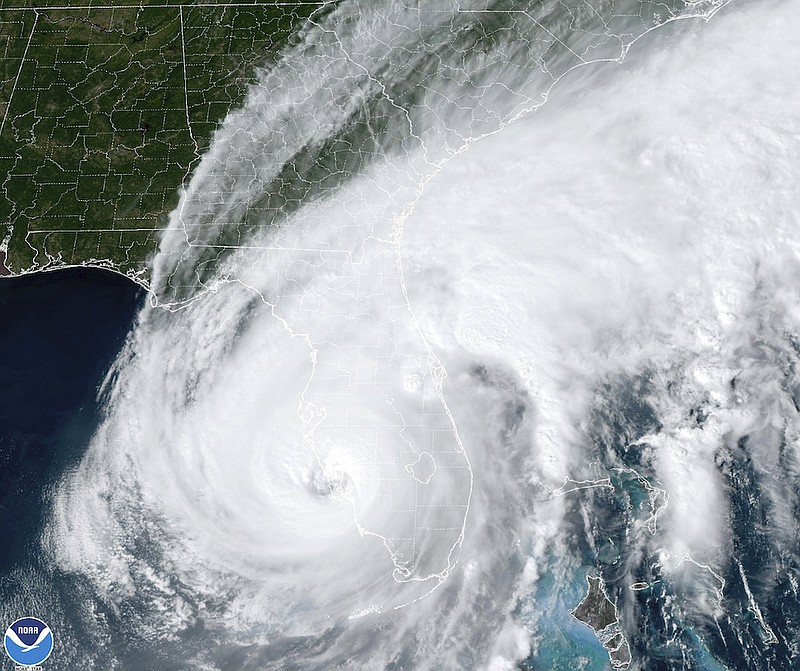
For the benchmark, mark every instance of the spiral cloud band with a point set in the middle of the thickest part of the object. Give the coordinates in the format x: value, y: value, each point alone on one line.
x: 424, y: 351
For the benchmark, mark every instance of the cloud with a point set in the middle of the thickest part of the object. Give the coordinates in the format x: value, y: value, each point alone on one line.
x: 285, y: 462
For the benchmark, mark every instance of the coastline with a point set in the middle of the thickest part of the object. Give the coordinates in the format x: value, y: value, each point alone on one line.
x: 107, y: 266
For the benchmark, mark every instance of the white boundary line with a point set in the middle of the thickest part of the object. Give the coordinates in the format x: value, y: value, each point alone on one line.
x: 19, y: 72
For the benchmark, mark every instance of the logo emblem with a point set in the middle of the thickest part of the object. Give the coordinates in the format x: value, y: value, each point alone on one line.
x: 28, y: 641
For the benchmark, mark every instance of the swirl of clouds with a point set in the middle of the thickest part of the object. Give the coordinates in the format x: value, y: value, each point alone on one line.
x: 410, y: 308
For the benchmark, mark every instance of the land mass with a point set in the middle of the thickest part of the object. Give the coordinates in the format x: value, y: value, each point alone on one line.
x: 599, y: 613
x: 105, y: 112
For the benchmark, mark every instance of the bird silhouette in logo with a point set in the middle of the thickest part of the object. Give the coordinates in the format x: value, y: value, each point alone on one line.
x: 27, y: 648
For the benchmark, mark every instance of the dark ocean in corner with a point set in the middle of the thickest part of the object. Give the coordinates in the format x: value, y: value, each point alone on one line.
x: 59, y: 333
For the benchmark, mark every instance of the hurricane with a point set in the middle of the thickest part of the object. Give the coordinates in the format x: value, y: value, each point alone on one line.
x: 467, y: 302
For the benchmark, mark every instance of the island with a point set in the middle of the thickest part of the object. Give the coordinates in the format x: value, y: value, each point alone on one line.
x: 599, y: 613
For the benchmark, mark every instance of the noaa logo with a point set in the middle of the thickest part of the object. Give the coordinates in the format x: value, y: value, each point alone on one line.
x: 28, y: 641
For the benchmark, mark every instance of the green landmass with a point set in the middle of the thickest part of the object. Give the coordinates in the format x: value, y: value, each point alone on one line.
x: 596, y: 609
x: 598, y: 612
x: 105, y: 111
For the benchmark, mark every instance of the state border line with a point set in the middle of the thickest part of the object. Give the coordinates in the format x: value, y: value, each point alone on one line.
x: 19, y: 72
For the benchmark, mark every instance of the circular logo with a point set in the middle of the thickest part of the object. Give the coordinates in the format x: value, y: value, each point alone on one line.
x: 28, y: 641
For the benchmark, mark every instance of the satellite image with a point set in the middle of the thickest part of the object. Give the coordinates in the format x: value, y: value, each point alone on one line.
x: 400, y: 335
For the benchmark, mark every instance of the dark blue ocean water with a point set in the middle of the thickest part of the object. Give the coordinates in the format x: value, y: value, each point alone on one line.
x: 59, y: 333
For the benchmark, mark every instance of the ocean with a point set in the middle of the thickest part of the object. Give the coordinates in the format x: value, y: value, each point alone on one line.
x: 59, y: 333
